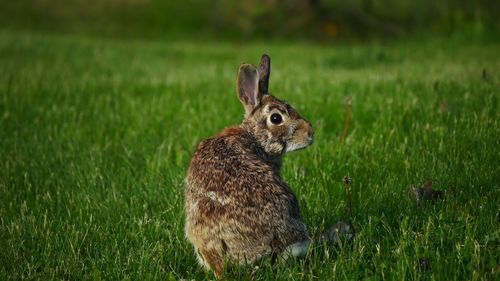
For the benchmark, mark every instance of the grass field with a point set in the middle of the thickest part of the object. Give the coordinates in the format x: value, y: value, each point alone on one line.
x: 96, y: 136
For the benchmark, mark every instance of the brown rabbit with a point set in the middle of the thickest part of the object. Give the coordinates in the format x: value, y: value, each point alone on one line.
x: 238, y: 208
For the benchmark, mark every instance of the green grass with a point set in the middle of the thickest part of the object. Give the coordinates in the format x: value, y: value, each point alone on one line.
x: 96, y: 137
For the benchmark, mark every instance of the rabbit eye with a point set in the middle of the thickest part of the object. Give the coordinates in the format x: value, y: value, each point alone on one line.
x: 276, y: 119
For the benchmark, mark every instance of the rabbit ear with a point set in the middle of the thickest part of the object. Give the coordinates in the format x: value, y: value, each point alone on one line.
x: 264, y: 73
x: 248, y: 89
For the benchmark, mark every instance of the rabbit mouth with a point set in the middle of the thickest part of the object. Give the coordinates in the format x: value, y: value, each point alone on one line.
x: 298, y: 146
x: 311, y: 140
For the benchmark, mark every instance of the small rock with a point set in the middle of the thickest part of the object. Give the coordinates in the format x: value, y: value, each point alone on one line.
x: 339, y: 233
x: 426, y: 193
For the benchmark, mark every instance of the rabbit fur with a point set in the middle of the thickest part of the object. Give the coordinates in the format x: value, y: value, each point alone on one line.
x: 238, y: 208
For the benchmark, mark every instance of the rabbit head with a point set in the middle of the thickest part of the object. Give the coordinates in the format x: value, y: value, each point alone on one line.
x: 276, y: 126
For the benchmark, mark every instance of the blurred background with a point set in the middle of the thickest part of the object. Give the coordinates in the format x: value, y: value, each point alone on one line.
x: 311, y: 20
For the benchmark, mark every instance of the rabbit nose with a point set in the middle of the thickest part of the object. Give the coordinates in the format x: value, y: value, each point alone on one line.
x: 311, y: 131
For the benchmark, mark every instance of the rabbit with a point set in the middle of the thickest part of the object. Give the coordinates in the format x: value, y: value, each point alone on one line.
x: 238, y: 208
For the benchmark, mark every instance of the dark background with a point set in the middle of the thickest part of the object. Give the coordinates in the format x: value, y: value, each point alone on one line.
x: 316, y: 20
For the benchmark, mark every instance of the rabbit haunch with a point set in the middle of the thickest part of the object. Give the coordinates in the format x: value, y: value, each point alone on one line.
x: 238, y: 208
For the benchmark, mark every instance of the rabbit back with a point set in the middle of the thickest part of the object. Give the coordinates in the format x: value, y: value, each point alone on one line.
x: 237, y: 205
